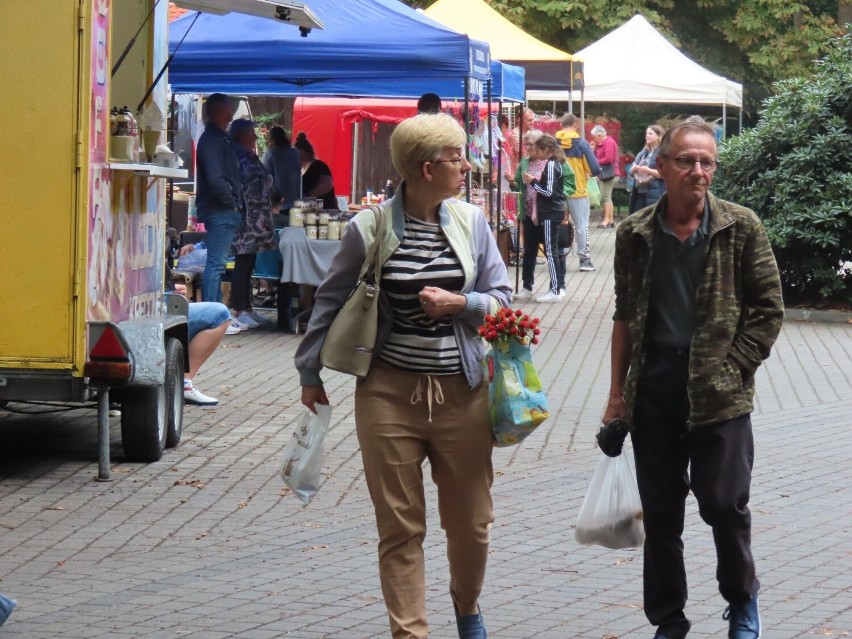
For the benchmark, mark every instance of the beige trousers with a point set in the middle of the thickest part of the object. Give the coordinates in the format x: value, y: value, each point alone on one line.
x: 392, y: 415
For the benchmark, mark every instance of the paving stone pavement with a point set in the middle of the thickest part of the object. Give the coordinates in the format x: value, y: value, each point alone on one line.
x: 207, y: 543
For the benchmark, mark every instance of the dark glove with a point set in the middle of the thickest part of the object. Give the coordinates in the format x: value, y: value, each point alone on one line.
x: 611, y: 437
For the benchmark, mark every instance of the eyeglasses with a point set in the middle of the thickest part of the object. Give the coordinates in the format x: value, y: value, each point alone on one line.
x: 685, y: 163
x: 457, y: 161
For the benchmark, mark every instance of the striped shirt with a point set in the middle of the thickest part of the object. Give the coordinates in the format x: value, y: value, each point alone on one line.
x: 417, y: 342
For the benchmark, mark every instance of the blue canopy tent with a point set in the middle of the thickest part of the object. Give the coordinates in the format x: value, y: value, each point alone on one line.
x: 241, y: 54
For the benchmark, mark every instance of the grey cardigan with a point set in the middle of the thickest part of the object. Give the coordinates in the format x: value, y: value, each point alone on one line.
x: 486, y: 284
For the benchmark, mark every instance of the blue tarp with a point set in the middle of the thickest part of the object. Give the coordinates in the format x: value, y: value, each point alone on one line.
x: 507, y: 83
x: 378, y: 48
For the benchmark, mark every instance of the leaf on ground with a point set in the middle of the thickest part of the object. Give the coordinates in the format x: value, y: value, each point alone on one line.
x: 195, y: 483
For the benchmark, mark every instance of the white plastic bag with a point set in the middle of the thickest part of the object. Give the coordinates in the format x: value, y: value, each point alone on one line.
x: 611, y: 515
x: 302, y: 465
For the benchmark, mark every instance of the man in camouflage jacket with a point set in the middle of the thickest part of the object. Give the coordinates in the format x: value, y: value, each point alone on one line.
x: 698, y: 308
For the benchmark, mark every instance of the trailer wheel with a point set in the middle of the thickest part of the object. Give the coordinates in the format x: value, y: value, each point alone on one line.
x: 174, y: 391
x: 144, y: 423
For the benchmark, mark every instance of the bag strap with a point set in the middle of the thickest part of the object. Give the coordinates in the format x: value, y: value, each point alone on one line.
x: 372, y: 266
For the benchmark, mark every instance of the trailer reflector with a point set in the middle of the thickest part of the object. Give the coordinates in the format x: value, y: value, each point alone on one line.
x: 109, y: 358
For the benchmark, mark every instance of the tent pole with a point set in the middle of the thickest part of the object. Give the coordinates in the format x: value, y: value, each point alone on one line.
x: 582, y: 113
x: 740, y: 131
x: 488, y: 180
x: 356, y: 135
x: 724, y: 120
x: 468, y: 182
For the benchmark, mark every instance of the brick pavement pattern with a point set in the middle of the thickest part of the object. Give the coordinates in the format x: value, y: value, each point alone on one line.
x: 208, y: 543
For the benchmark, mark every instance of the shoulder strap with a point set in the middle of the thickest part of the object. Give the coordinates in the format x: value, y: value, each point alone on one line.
x: 372, y: 267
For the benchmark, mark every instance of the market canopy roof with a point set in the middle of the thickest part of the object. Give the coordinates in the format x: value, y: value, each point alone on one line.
x: 547, y: 68
x: 365, y: 44
x: 635, y: 63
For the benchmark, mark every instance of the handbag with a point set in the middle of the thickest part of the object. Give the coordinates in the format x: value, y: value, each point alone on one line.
x: 607, y: 172
x: 517, y: 404
x: 351, y: 338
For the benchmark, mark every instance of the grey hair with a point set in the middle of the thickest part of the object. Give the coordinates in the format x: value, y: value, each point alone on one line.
x: 597, y: 130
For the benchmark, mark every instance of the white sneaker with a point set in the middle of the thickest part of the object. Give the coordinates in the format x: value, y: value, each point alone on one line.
x: 561, y: 294
x: 191, y: 395
x: 244, y: 321
x: 523, y: 294
x: 550, y: 296
x: 233, y: 328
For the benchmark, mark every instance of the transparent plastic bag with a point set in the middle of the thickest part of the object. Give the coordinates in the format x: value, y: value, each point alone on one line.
x: 302, y: 464
x: 611, y: 515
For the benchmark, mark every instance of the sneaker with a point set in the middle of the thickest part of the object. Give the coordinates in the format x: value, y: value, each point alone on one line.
x: 246, y: 320
x: 233, y: 328
x: 550, y: 296
x: 743, y: 620
x: 586, y: 265
x: 257, y: 317
x: 673, y: 631
x: 6, y: 607
x: 191, y: 395
x: 561, y: 294
x: 523, y: 294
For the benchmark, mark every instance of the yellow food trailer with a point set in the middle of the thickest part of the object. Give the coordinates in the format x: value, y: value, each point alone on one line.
x: 82, y: 213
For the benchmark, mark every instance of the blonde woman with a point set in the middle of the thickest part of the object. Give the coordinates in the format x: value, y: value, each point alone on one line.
x: 424, y: 397
x: 648, y: 186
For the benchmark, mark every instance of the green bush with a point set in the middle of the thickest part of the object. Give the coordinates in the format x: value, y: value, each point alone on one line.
x: 794, y: 169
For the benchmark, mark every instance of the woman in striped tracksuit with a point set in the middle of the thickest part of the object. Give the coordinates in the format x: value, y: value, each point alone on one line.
x: 550, y: 206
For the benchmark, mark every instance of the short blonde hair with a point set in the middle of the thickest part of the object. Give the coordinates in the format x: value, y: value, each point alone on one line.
x: 421, y: 139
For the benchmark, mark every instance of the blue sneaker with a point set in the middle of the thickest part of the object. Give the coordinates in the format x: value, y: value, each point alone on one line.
x: 6, y: 607
x: 744, y: 620
x: 470, y: 626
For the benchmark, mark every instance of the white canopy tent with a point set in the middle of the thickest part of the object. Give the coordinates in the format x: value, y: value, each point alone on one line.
x: 635, y: 63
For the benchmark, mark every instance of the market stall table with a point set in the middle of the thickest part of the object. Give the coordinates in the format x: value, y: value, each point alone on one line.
x: 305, y: 262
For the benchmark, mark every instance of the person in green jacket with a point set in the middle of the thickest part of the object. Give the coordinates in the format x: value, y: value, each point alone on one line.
x: 530, y: 230
x: 697, y: 310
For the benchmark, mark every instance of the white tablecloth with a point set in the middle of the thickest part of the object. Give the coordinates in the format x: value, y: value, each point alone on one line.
x: 305, y: 261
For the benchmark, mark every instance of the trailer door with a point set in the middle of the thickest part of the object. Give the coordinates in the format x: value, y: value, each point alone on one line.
x: 39, y: 195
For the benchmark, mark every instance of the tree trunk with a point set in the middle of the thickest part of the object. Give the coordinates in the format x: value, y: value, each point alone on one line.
x: 844, y: 13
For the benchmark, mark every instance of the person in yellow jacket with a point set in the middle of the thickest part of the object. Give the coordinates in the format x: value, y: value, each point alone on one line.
x: 581, y: 158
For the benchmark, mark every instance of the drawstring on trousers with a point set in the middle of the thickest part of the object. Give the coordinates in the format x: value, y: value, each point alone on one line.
x: 433, y: 391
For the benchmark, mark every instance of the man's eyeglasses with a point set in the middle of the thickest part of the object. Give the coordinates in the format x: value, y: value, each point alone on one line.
x: 685, y: 163
x: 457, y: 161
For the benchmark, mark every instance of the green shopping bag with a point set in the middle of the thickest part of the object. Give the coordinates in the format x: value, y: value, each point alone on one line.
x: 516, y: 401
x: 594, y: 190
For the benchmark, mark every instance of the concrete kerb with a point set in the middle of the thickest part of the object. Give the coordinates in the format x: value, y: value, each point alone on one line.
x: 810, y: 315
